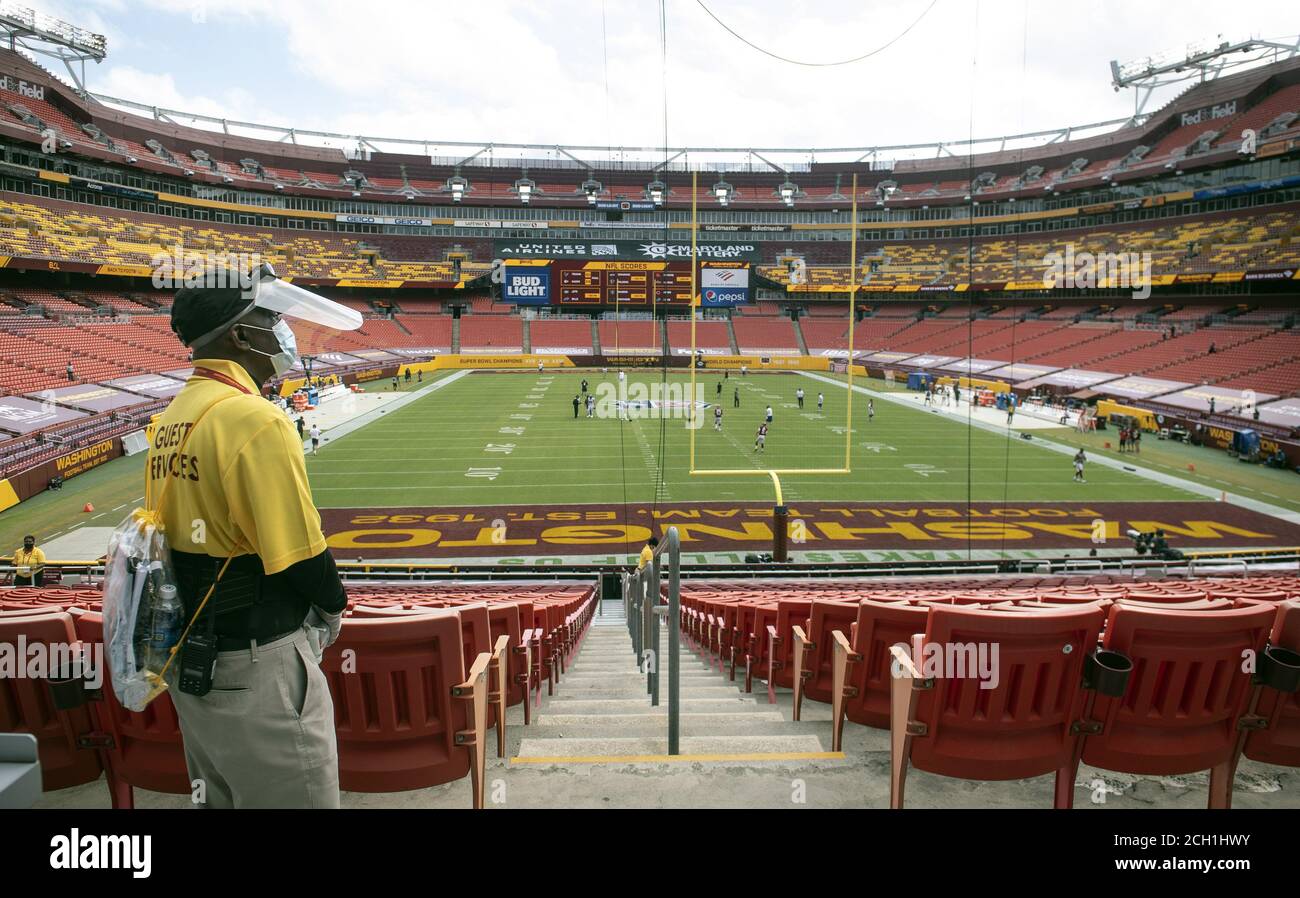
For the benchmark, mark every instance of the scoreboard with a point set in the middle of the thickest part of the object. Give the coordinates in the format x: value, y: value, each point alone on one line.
x: 607, y: 282
x: 621, y: 283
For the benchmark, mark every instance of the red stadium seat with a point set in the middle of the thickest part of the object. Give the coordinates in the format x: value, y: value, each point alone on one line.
x: 780, y: 666
x: 1279, y: 742
x: 1019, y: 727
x: 813, y: 667
x: 408, y: 715
x: 1187, y: 693
x: 143, y: 749
x: 26, y: 704
x: 471, y: 621
x: 867, y: 678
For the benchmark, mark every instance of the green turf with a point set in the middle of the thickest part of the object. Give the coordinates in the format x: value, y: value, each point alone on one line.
x: 420, y: 455
x: 1201, y: 464
x: 428, y: 453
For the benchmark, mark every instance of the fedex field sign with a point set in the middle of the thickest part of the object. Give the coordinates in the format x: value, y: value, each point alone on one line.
x: 528, y: 286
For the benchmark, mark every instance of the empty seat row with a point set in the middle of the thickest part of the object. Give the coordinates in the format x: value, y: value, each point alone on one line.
x: 415, y: 688
x: 1163, y: 679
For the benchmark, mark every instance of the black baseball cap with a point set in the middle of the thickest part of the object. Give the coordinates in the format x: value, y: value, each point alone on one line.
x: 197, y: 312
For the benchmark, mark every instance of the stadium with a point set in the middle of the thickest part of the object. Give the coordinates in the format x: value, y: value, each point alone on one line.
x: 1037, y: 394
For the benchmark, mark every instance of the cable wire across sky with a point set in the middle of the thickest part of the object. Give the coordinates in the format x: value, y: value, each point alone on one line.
x: 840, y: 62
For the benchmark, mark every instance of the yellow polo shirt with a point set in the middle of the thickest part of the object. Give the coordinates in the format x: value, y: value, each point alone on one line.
x: 647, y: 556
x: 28, y: 563
x: 240, y: 483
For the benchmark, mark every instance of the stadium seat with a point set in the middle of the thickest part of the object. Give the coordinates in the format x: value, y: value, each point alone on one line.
x: 813, y: 650
x: 867, y: 678
x: 1021, y: 726
x: 27, y: 706
x: 409, y: 713
x: 471, y: 616
x: 142, y: 749
x: 1188, y: 692
x: 1279, y: 741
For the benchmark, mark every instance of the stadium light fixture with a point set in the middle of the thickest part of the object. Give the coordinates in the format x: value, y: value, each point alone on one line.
x: 457, y: 185
x: 20, y: 19
x: 525, y: 187
x: 655, y: 190
x: 131, y: 160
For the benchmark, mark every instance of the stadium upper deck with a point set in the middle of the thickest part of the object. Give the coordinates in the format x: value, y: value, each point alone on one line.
x: 1199, y: 130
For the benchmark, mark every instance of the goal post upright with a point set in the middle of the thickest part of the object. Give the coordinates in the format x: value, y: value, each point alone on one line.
x: 780, y: 515
x: 853, y: 324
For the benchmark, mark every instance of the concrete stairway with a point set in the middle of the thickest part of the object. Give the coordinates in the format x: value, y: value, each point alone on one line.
x: 602, y: 713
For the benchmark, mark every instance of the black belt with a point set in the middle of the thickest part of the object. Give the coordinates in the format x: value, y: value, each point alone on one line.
x: 238, y: 643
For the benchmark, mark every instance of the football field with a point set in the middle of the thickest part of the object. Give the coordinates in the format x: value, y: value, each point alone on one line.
x: 495, y: 466
x: 490, y: 439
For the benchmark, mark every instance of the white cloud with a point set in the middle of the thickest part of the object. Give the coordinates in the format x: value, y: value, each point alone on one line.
x: 524, y: 71
x: 159, y: 89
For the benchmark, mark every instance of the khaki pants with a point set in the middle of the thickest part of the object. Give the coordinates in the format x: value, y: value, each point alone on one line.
x: 264, y: 736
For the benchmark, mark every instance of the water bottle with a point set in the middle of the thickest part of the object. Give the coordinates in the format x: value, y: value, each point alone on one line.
x: 165, y: 618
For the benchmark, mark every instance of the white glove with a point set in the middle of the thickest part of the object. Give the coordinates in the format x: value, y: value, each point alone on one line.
x: 330, y: 622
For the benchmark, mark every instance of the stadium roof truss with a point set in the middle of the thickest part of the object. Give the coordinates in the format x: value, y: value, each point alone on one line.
x: 1204, y: 61
x: 489, y: 154
x: 38, y: 34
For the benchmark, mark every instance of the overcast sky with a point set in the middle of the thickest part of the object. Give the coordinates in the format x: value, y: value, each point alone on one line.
x: 536, y: 71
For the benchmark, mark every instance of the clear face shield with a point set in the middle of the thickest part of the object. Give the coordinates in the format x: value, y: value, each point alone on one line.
x: 314, y: 317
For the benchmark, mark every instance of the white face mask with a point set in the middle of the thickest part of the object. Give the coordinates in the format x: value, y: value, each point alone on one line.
x: 287, y: 357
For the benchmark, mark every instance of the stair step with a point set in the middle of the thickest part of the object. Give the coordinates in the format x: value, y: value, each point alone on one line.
x: 754, y: 747
x: 653, y: 726
x: 568, y: 704
x: 696, y: 718
x: 607, y: 690
x: 699, y: 678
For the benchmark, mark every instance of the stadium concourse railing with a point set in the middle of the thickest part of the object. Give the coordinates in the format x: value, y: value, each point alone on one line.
x: 91, y: 571
x: 642, y: 590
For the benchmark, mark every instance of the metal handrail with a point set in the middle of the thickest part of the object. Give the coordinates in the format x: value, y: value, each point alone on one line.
x: 641, y: 593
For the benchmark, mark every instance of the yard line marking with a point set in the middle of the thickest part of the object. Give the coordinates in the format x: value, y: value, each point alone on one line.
x: 1100, y: 459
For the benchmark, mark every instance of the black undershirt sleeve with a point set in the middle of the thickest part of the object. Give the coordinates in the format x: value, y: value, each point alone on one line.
x: 316, y: 579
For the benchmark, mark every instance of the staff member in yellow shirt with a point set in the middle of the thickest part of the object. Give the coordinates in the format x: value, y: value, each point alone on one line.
x: 227, y: 473
x: 647, y: 553
x: 29, y: 564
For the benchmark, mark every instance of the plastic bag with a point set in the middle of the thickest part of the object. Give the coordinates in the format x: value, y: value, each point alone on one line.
x: 142, y: 615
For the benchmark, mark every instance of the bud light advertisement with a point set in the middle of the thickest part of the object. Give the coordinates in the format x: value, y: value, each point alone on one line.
x: 530, y: 286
